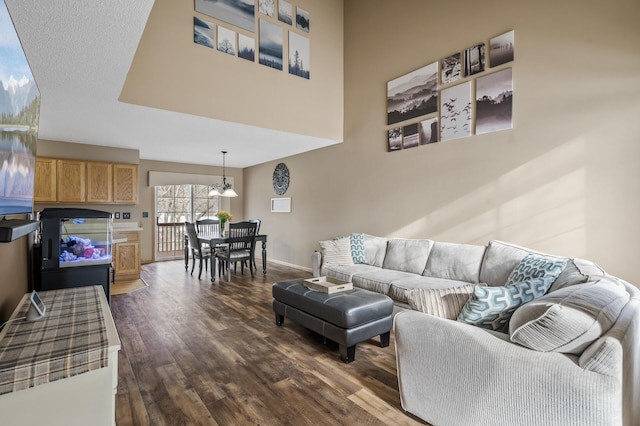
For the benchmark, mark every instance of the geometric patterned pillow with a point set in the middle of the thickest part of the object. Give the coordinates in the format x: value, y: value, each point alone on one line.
x: 536, y: 266
x: 357, y: 248
x: 492, y: 307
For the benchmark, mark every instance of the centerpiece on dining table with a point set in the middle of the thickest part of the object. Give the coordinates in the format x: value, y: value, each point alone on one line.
x: 223, y: 217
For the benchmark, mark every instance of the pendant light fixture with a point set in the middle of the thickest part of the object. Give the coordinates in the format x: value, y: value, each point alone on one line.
x: 224, y: 190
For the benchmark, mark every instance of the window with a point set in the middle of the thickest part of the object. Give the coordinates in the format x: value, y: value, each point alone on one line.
x: 176, y: 204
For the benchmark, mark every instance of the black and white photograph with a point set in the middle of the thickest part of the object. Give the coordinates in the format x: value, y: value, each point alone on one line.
x: 494, y: 95
x: 455, y: 112
x: 270, y: 45
x: 450, y: 69
x: 267, y: 7
x: 395, y: 139
x: 299, y: 57
x: 203, y: 32
x: 410, y: 136
x: 413, y: 94
x: 240, y: 13
x: 302, y: 19
x: 501, y: 49
x: 285, y: 12
x: 226, y: 41
x: 429, y: 131
x: 474, y: 61
x: 246, y: 48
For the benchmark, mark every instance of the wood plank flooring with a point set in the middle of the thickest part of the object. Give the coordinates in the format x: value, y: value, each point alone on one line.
x: 196, y: 353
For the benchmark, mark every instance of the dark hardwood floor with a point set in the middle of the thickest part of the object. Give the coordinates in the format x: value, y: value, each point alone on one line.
x: 196, y: 353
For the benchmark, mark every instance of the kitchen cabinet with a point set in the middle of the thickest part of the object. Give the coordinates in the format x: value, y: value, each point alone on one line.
x: 45, y: 180
x: 125, y: 183
x: 126, y: 255
x: 71, y: 181
x: 99, y: 182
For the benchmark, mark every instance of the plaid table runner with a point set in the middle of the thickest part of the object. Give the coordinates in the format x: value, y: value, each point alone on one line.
x: 71, y: 339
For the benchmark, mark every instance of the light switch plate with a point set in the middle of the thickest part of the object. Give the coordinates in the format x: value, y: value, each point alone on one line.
x: 116, y: 215
x: 126, y: 215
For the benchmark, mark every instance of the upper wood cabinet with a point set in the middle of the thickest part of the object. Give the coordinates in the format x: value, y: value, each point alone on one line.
x: 76, y: 181
x: 99, y: 182
x: 71, y: 181
x: 45, y: 180
x: 125, y: 183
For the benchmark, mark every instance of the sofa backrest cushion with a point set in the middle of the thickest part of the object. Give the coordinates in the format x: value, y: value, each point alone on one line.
x: 375, y: 248
x: 500, y: 258
x: 407, y: 255
x: 451, y: 261
x: 569, y: 319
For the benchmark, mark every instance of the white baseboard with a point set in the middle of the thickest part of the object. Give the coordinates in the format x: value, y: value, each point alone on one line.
x: 290, y: 265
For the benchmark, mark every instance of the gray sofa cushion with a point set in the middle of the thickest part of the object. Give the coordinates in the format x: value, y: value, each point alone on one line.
x: 451, y: 261
x: 570, y: 319
x: 375, y: 248
x: 407, y: 255
x: 402, y: 285
x: 346, y: 272
x: 379, y: 280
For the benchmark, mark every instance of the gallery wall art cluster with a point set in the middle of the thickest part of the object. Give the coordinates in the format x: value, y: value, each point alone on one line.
x: 463, y: 94
x: 236, y: 34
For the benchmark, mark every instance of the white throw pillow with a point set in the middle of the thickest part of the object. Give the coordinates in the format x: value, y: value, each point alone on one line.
x: 440, y: 302
x: 337, y: 252
x: 570, y: 319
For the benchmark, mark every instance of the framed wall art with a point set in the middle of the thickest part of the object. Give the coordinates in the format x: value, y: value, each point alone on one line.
x: 474, y: 61
x: 429, y: 131
x: 246, y: 48
x: 455, y: 112
x: 270, y: 45
x: 285, y: 12
x: 394, y: 138
x: 413, y: 94
x: 203, y: 32
x: 450, y: 69
x: 226, y: 41
x: 299, y: 55
x: 410, y: 136
x: 240, y: 13
x: 494, y: 96
x: 501, y: 49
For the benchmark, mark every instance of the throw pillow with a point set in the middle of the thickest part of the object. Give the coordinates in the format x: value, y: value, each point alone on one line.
x: 536, y: 266
x: 492, y: 307
x: 440, y: 302
x: 337, y: 252
x: 357, y: 248
x: 570, y: 319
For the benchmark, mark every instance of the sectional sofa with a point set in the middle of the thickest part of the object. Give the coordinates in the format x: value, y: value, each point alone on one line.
x: 564, y: 350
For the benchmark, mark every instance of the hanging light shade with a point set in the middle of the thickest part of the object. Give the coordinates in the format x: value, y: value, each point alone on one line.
x: 224, y: 190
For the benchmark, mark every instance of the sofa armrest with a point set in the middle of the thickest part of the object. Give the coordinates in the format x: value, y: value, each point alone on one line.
x: 455, y: 373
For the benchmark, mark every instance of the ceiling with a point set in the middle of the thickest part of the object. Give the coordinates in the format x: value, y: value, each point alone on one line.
x: 80, y: 53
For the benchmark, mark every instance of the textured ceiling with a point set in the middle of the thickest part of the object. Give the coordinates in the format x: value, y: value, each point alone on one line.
x: 80, y: 53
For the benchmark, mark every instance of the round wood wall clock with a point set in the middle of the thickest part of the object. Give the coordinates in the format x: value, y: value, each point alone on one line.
x: 281, y: 179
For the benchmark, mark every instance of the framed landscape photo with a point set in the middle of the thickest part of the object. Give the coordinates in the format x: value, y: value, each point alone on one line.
x: 246, y: 48
x: 302, y: 19
x: 240, y: 13
x: 285, y: 12
x: 394, y: 139
x: 494, y: 102
x: 455, y: 112
x: 413, y: 94
x: 203, y: 32
x: 474, y: 61
x: 270, y: 45
x: 410, y: 136
x: 226, y: 41
x: 429, y: 131
x: 299, y: 61
x: 450, y: 69
x: 501, y: 49
x: 267, y: 7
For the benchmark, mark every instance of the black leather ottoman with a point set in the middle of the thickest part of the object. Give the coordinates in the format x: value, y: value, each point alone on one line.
x: 348, y: 317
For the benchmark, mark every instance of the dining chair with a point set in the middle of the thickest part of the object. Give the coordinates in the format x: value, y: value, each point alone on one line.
x: 257, y: 222
x: 208, y: 226
x: 241, y: 242
x: 197, y: 250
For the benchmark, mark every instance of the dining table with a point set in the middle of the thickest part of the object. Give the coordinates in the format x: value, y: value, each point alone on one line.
x: 214, y: 239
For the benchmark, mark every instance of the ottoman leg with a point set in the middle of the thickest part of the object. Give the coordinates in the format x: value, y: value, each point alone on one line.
x: 279, y: 319
x: 348, y: 353
x: 384, y: 339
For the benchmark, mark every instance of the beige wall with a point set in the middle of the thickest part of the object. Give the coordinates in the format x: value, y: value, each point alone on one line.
x: 564, y: 180
x: 171, y: 72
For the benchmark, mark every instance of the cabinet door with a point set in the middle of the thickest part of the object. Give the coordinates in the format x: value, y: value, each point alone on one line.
x: 125, y: 183
x: 127, y: 260
x: 71, y: 181
x: 99, y: 182
x: 45, y: 180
